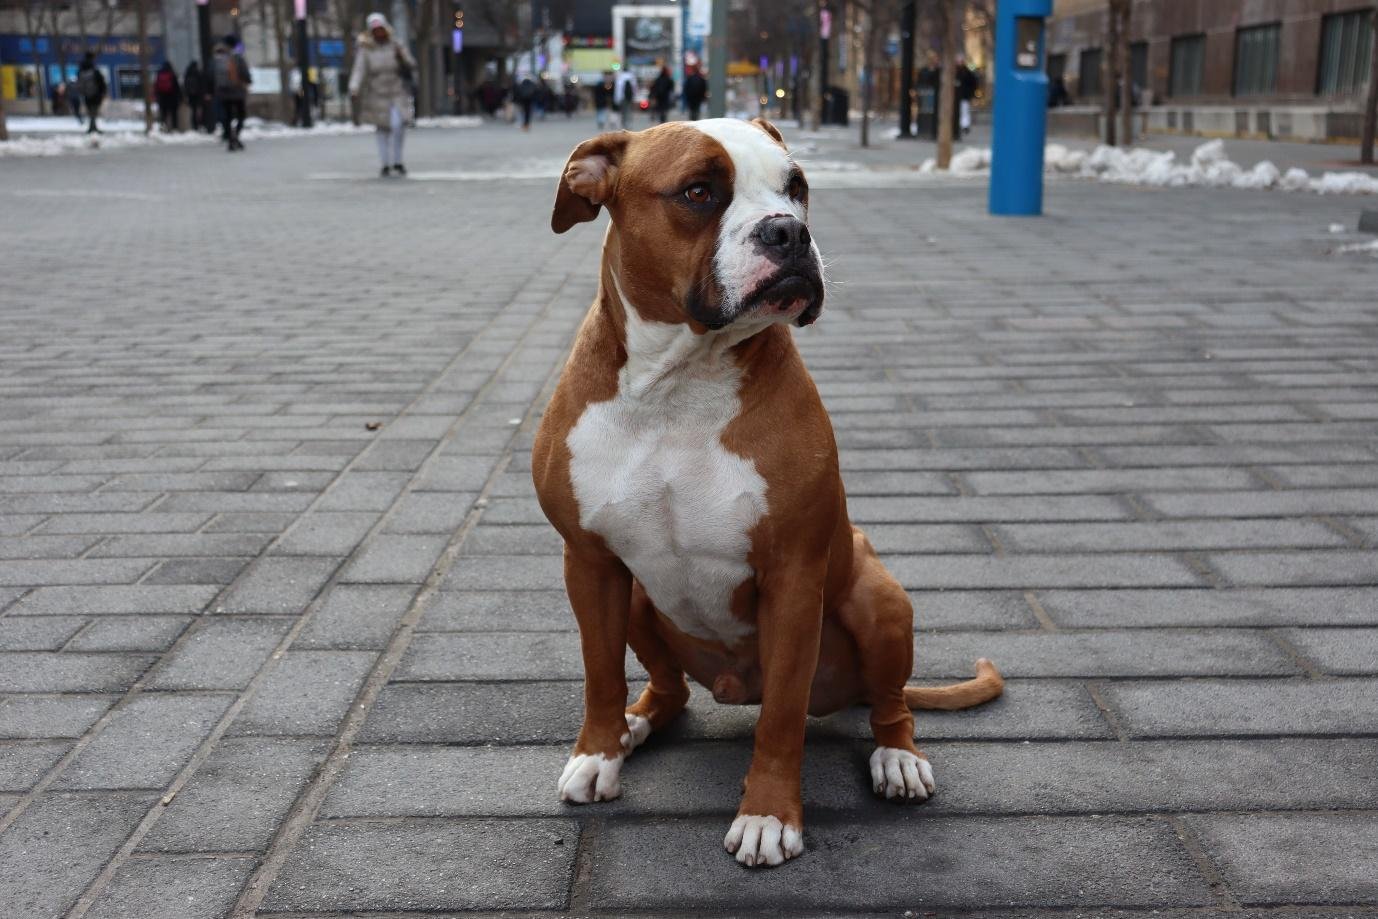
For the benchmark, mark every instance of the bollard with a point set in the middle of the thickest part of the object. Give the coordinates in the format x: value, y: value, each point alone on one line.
x: 1021, y: 108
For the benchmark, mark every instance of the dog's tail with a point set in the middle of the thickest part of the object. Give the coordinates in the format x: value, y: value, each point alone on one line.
x: 986, y: 685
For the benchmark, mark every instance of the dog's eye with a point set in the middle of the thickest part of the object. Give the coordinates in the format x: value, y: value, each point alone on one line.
x: 796, y: 188
x: 698, y: 193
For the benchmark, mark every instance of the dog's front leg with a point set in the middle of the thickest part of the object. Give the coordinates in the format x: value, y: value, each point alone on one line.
x: 600, y: 588
x: 770, y: 822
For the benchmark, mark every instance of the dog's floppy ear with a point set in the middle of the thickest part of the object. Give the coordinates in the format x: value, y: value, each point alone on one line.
x: 589, y: 180
x: 770, y: 129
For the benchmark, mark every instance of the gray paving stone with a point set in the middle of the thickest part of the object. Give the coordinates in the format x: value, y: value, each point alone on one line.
x: 497, y: 656
x: 43, y: 572
x: 322, y: 533
x: 34, y: 716
x: 1057, y: 862
x: 1352, y: 652
x: 363, y: 491
x: 251, y: 522
x: 93, y: 601
x: 1109, y: 653
x: 38, y: 547
x: 509, y: 572
x: 412, y: 865
x: 40, y: 671
x: 24, y: 763
x: 1294, y: 858
x: 390, y: 559
x: 279, y: 585
x: 868, y: 510
x: 1156, y: 608
x: 356, y: 616
x: 220, y: 654
x: 173, y: 888
x: 971, y: 609
x: 1033, y: 571
x: 130, y: 633
x: 1265, y: 503
x: 530, y: 539
x: 60, y: 844
x: 1106, y: 481
x: 38, y: 633
x: 146, y: 743
x: 1166, y: 536
x: 1246, y: 707
x: 216, y: 571
x: 1287, y: 569
x: 308, y: 693
x: 199, y: 544
x: 430, y: 512
x: 238, y: 797
x: 498, y: 611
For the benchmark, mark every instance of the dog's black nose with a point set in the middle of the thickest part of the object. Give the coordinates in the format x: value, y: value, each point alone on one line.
x: 783, y: 237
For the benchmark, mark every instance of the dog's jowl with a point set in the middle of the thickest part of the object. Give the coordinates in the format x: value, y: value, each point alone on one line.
x: 689, y: 464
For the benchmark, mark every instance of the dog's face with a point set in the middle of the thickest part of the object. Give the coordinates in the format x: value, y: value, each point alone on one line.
x: 709, y: 219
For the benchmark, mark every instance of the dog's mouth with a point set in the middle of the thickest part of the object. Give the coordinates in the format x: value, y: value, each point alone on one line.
x: 790, y: 294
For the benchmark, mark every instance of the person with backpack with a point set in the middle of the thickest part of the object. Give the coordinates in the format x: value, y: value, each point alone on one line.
x: 695, y: 91
x: 602, y: 101
x: 168, y: 92
x: 230, y: 78
x: 91, y: 86
x: 380, y: 89
x: 194, y: 88
x: 525, y: 92
x: 624, y: 96
x: 663, y: 94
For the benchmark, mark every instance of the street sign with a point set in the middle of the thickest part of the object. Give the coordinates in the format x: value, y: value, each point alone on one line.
x: 700, y: 18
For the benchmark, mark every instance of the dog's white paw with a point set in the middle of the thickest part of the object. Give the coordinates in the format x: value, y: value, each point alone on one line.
x: 638, y: 729
x: 591, y: 777
x: 897, y: 773
x: 759, y: 841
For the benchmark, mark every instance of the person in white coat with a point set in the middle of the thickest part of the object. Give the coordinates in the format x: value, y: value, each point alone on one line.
x: 379, y: 86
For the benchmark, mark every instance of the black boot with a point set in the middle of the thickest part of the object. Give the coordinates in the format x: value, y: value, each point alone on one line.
x: 400, y: 169
x: 385, y: 171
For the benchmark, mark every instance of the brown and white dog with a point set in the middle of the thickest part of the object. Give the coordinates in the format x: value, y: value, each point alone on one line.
x: 690, y: 466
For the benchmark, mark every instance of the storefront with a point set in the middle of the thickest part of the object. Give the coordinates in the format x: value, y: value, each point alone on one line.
x: 30, y: 68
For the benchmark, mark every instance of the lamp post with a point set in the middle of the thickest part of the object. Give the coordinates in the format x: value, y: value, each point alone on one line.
x: 825, y: 32
x: 717, y: 60
x: 303, y: 60
x: 203, y: 34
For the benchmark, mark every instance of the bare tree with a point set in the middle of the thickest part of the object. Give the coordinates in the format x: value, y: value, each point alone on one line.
x: 878, y: 14
x: 950, y: 22
x: 1110, y: 71
x: 33, y: 25
x: 4, y: 128
x: 1371, y: 103
x: 142, y: 13
x: 1124, y: 10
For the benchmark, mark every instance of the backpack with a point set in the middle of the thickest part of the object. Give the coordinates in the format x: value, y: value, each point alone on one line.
x: 526, y: 90
x: 163, y: 86
x: 626, y: 94
x: 88, y: 83
x: 228, y: 74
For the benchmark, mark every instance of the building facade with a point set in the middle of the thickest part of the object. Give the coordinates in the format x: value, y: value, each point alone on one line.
x: 1273, y: 68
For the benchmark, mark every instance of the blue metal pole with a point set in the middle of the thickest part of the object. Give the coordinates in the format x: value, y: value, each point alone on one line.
x: 1021, y: 108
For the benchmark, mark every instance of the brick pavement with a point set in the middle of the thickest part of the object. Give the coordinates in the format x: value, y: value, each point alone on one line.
x: 257, y: 658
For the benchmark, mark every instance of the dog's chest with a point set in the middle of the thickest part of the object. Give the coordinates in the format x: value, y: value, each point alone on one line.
x: 652, y: 477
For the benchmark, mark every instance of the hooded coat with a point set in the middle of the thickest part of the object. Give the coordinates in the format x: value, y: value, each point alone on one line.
x: 377, y: 78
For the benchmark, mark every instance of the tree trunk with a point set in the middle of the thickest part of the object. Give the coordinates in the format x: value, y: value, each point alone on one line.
x: 1371, y: 104
x: 1127, y: 77
x: 1110, y: 71
x: 4, y: 129
x: 285, y: 102
x: 33, y: 30
x: 947, y: 92
x: 144, y: 89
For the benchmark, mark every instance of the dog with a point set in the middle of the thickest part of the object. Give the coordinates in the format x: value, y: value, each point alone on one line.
x: 689, y: 464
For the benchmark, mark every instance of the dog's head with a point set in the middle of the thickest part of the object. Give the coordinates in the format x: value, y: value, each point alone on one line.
x: 709, y: 221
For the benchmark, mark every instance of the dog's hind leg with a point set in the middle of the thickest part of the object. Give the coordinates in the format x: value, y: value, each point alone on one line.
x: 667, y: 693
x: 880, y: 618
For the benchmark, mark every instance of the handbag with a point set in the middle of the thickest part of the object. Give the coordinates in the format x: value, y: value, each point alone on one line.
x: 404, y: 70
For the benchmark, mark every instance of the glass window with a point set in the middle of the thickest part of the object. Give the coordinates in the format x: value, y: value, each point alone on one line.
x: 1188, y: 61
x: 1256, y: 60
x: 1088, y: 76
x: 1057, y: 66
x: 1138, y: 63
x: 1346, y: 52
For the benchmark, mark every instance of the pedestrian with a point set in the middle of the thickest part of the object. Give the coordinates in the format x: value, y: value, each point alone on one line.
x: 91, y: 86
x: 624, y: 96
x: 379, y: 85
x: 169, y: 95
x: 663, y: 94
x: 194, y: 89
x: 602, y: 101
x: 966, y: 85
x: 524, y: 92
x: 230, y: 78
x: 73, y: 97
x: 695, y: 91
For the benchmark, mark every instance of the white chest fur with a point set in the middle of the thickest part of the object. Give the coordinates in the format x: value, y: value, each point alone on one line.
x: 652, y: 477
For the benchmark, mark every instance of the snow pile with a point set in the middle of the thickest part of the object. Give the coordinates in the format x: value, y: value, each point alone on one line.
x: 1208, y: 167
x: 1370, y: 248
x: 449, y: 121
x: 63, y: 141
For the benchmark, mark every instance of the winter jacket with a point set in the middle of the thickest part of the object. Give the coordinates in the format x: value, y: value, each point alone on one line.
x: 377, y: 80
x: 695, y: 89
x: 230, y: 75
x: 91, y: 83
